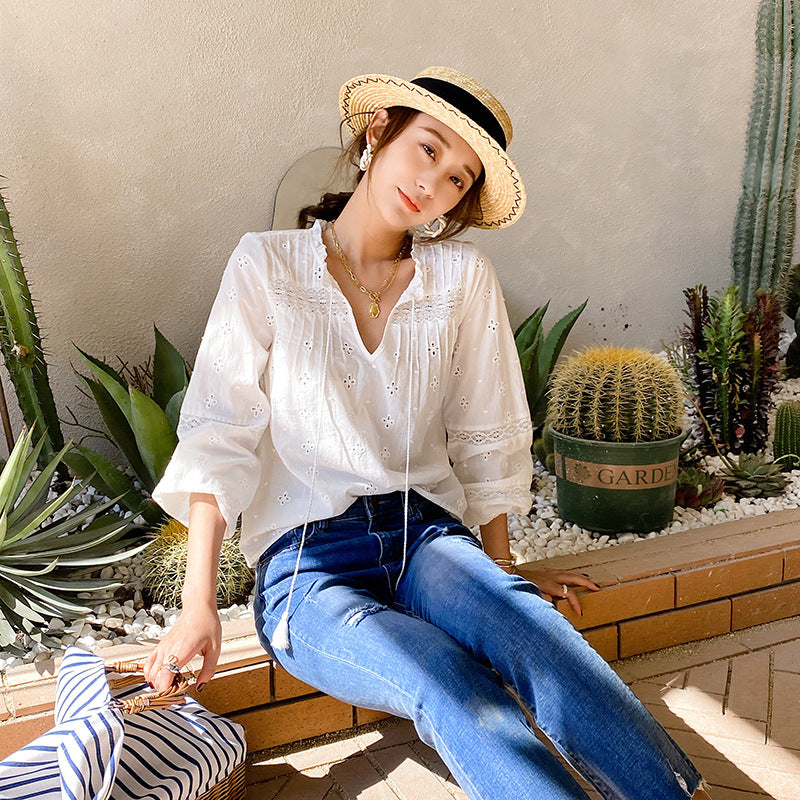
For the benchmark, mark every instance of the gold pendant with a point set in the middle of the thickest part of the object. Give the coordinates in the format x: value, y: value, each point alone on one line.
x: 374, y: 309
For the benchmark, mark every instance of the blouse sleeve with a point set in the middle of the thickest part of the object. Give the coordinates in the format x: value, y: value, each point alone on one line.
x: 486, y: 412
x: 225, y: 411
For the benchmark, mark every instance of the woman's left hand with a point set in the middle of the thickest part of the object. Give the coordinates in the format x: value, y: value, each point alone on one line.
x: 551, y: 583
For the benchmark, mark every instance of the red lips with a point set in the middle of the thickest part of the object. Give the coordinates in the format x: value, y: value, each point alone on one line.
x: 407, y: 201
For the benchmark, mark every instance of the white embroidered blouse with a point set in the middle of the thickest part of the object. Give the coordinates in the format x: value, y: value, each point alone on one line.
x: 283, y: 385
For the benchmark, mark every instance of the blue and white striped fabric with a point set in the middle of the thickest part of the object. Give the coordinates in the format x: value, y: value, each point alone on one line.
x: 94, y: 752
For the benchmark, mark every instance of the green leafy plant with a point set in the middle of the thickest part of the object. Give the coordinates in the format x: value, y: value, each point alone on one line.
x: 165, y: 567
x: 698, y: 489
x: 765, y: 219
x: 729, y: 365
x: 21, y: 344
x: 140, y: 411
x: 538, y: 354
x: 616, y: 394
x: 44, y: 552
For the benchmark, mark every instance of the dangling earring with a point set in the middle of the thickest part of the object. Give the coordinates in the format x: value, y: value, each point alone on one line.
x: 433, y: 228
x: 366, y: 158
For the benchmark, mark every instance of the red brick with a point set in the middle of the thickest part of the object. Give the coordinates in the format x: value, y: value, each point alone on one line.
x: 269, y: 727
x: 16, y: 733
x: 287, y: 686
x: 622, y: 601
x: 236, y: 689
x: 605, y: 640
x: 728, y: 578
x: 766, y: 605
x: 669, y: 628
x: 791, y: 564
x: 365, y: 715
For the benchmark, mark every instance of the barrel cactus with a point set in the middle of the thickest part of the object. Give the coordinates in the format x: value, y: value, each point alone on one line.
x: 165, y: 567
x: 616, y: 394
x: 786, y: 445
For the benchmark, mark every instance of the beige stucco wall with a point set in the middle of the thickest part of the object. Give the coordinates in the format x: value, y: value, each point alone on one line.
x: 140, y: 138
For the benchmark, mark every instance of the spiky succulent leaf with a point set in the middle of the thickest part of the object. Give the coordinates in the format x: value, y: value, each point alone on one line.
x: 170, y: 374
x: 154, y: 435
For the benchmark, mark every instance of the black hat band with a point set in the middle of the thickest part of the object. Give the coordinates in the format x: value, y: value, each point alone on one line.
x: 467, y: 103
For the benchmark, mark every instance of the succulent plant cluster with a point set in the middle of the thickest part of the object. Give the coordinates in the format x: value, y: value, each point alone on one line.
x: 752, y: 475
x: 616, y: 394
x: 165, y: 567
x: 729, y: 363
x: 698, y: 489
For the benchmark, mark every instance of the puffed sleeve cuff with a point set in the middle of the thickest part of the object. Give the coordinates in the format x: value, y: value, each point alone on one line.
x: 229, y: 469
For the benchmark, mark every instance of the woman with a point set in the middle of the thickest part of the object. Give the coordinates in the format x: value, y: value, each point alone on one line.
x: 358, y: 397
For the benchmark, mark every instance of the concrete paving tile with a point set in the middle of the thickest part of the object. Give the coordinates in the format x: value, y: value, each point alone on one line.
x: 405, y: 769
x: 749, y: 688
x: 723, y: 773
x: 686, y: 720
x: 302, y: 786
x: 787, y: 656
x: 327, y: 753
x: 722, y: 793
x: 677, y: 658
x: 711, y: 677
x: 689, y: 699
x: 674, y: 680
x: 400, y: 731
x: 738, y: 752
x: 268, y: 790
x: 359, y: 780
x: 770, y: 633
x: 785, y: 723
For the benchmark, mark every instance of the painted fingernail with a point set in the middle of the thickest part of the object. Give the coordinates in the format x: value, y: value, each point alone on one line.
x: 150, y: 684
x: 200, y: 687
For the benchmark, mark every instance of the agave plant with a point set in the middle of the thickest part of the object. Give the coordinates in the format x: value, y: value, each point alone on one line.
x: 538, y: 355
x: 45, y: 552
x: 140, y: 418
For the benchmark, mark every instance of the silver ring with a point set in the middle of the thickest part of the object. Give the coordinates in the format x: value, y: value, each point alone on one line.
x: 173, y: 668
x: 564, y: 589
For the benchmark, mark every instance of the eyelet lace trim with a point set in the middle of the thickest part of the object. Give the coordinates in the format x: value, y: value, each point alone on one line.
x: 515, y: 496
x: 432, y: 308
x: 306, y: 298
x: 510, y: 430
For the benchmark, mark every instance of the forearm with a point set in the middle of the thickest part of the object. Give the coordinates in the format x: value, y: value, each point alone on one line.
x: 494, y: 535
x: 206, y: 530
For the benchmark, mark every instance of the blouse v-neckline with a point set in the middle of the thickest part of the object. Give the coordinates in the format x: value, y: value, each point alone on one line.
x: 413, y: 291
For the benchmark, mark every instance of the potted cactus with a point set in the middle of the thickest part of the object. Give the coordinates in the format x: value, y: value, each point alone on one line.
x: 616, y: 424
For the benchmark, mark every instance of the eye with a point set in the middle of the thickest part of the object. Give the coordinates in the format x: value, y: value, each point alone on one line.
x: 429, y: 150
x: 457, y: 181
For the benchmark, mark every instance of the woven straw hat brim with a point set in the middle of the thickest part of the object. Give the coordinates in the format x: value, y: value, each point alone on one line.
x: 503, y: 194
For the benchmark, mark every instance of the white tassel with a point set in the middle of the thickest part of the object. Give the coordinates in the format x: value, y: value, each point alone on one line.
x: 280, y: 637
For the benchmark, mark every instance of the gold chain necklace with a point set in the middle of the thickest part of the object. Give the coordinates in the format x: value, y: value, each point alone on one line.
x: 375, y: 294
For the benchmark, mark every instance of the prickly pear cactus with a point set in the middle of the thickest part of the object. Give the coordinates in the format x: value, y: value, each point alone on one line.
x: 21, y: 345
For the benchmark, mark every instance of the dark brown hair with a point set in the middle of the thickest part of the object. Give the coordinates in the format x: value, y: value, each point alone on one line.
x: 330, y: 205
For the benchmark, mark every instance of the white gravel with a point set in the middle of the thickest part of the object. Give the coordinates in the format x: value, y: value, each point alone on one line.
x: 541, y: 535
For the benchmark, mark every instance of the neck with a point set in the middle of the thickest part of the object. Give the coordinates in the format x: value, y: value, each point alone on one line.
x: 364, y: 235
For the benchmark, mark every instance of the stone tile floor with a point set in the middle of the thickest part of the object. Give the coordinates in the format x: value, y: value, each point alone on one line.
x: 732, y: 703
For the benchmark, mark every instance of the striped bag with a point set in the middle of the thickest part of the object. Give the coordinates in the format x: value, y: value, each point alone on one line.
x: 101, y: 748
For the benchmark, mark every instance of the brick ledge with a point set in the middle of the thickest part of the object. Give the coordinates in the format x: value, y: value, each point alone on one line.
x: 656, y: 593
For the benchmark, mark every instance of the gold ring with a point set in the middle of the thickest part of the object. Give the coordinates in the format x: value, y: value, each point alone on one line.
x: 170, y: 667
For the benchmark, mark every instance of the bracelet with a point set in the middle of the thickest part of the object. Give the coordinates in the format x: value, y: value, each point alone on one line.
x: 505, y: 562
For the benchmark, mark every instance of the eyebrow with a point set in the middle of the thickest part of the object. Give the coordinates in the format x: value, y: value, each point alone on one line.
x: 446, y: 144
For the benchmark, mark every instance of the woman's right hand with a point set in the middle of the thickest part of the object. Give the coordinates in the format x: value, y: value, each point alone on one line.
x: 197, y: 631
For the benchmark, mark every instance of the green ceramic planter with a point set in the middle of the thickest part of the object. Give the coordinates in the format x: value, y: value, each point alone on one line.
x: 613, y: 487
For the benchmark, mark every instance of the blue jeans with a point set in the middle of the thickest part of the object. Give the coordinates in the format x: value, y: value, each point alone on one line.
x: 458, y: 646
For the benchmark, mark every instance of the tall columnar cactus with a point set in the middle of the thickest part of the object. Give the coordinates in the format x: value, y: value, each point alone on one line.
x: 787, y: 432
x: 765, y: 220
x: 616, y: 394
x: 21, y: 344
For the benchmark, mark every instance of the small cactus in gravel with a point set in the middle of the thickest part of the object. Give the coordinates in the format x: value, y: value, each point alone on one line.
x: 165, y: 567
x: 786, y: 445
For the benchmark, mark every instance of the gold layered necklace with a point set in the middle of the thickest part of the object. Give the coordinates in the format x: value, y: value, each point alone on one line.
x: 373, y: 294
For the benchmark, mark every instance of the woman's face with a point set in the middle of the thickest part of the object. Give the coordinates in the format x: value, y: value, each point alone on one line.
x: 421, y: 174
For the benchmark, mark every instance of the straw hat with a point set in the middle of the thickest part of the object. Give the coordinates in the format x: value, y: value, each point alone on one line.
x: 466, y: 107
